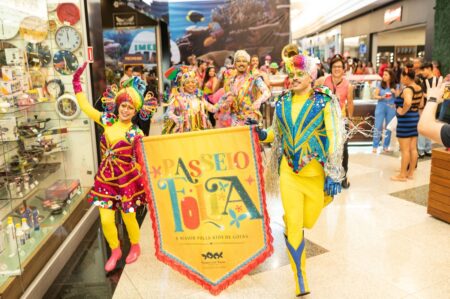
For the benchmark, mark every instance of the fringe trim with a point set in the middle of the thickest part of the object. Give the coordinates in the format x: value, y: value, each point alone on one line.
x: 272, y: 173
x: 240, y: 273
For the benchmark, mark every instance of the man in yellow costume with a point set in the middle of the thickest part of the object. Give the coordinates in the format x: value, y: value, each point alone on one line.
x: 307, y: 138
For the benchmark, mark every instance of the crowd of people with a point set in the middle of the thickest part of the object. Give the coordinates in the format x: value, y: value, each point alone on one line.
x: 309, y: 152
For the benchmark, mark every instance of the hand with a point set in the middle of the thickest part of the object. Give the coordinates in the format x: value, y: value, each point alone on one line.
x: 331, y: 187
x: 399, y: 111
x: 436, y: 90
x: 76, y: 79
x: 256, y: 105
x: 262, y: 134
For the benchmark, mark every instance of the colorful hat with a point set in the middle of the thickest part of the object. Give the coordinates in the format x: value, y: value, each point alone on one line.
x: 132, y: 91
x: 273, y: 65
x: 301, y: 62
x: 242, y: 53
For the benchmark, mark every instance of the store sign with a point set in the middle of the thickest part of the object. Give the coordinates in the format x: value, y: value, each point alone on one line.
x: 90, y: 54
x: 133, y: 59
x: 125, y: 20
x: 207, y: 203
x: 392, y: 15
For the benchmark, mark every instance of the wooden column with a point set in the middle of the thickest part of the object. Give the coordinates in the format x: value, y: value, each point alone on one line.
x: 439, y: 195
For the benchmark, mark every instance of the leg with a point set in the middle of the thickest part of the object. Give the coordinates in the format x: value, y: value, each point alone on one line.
x: 345, y: 182
x: 413, y: 157
x: 134, y: 234
x: 108, y: 220
x: 404, y: 149
x: 427, y: 146
x: 293, y: 200
x: 421, y: 146
x: 379, y: 117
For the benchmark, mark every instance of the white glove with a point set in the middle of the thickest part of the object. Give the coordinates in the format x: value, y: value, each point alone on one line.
x: 436, y: 90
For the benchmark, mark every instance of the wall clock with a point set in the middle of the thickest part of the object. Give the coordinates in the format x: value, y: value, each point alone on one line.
x: 68, y: 38
x: 33, y: 29
x: 68, y: 13
x: 54, y: 89
x: 65, y: 62
x: 9, y: 25
x: 38, y: 55
x: 67, y: 107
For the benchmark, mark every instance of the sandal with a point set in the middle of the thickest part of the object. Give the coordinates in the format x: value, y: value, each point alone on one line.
x: 398, y: 178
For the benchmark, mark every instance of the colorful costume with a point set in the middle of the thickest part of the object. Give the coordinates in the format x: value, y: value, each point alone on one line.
x: 245, y: 93
x: 117, y: 183
x: 307, y: 135
x: 186, y: 111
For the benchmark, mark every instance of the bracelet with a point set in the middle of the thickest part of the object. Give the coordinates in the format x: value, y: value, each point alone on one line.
x: 432, y: 99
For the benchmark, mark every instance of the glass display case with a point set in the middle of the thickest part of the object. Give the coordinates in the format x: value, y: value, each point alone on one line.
x: 47, y: 153
x: 364, y: 104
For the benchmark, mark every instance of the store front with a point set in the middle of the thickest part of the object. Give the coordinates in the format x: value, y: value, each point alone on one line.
x: 401, y: 31
x: 323, y: 45
x: 44, y: 172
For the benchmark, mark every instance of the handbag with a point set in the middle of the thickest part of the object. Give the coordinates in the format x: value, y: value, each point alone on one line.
x: 392, y: 125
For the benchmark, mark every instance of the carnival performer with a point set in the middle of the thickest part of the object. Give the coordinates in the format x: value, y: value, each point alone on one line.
x: 307, y: 136
x: 117, y: 184
x: 245, y: 92
x: 187, y: 110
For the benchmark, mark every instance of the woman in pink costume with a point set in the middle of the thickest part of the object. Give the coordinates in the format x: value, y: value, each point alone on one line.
x: 118, y: 183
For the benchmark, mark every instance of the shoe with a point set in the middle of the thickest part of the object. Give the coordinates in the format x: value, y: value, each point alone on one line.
x: 303, y: 294
x: 428, y: 154
x: 421, y: 155
x: 135, y: 252
x: 110, y: 265
x: 345, y: 184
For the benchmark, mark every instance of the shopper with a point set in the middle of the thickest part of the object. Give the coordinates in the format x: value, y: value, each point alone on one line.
x: 411, y: 98
x: 369, y: 69
x: 117, y: 184
x: 423, y: 143
x: 384, y: 65
x: 428, y: 126
x: 342, y: 88
x: 128, y: 73
x: 310, y: 168
x: 385, y: 110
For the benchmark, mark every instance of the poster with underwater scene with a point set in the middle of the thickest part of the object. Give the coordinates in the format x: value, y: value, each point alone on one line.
x: 215, y: 29
x: 120, y: 43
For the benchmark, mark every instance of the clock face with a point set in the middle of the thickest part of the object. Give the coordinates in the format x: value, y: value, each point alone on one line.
x: 65, y: 62
x: 9, y: 25
x: 67, y: 107
x: 54, y: 88
x: 68, y: 13
x: 68, y: 38
x: 38, y: 55
x: 33, y: 29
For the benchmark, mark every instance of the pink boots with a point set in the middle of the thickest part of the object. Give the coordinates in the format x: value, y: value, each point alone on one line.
x: 135, y: 252
x: 116, y: 254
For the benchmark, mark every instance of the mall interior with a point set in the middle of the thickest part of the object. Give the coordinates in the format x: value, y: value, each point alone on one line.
x: 64, y: 172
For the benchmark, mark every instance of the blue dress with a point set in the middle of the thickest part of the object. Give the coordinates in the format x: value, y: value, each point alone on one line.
x: 407, y: 123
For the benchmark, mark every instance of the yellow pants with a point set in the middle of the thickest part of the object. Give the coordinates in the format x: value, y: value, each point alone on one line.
x: 108, y: 220
x: 303, y: 199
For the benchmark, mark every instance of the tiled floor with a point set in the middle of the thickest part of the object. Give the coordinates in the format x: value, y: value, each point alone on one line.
x: 370, y: 242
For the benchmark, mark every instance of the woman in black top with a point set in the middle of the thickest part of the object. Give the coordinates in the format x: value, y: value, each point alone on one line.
x: 408, y: 105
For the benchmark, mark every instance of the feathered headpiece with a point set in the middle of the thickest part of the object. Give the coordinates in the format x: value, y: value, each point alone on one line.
x: 132, y: 91
x: 303, y: 63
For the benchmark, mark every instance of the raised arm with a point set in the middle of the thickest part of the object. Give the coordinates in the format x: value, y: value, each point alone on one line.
x: 82, y: 100
x: 265, y: 93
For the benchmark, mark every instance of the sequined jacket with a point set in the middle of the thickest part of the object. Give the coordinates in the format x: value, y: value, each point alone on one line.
x: 316, y: 133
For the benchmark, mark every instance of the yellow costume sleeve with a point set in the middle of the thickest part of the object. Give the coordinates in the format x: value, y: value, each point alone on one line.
x: 87, y: 108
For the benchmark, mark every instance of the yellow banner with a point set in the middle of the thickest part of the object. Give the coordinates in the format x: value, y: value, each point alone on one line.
x: 207, y: 203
